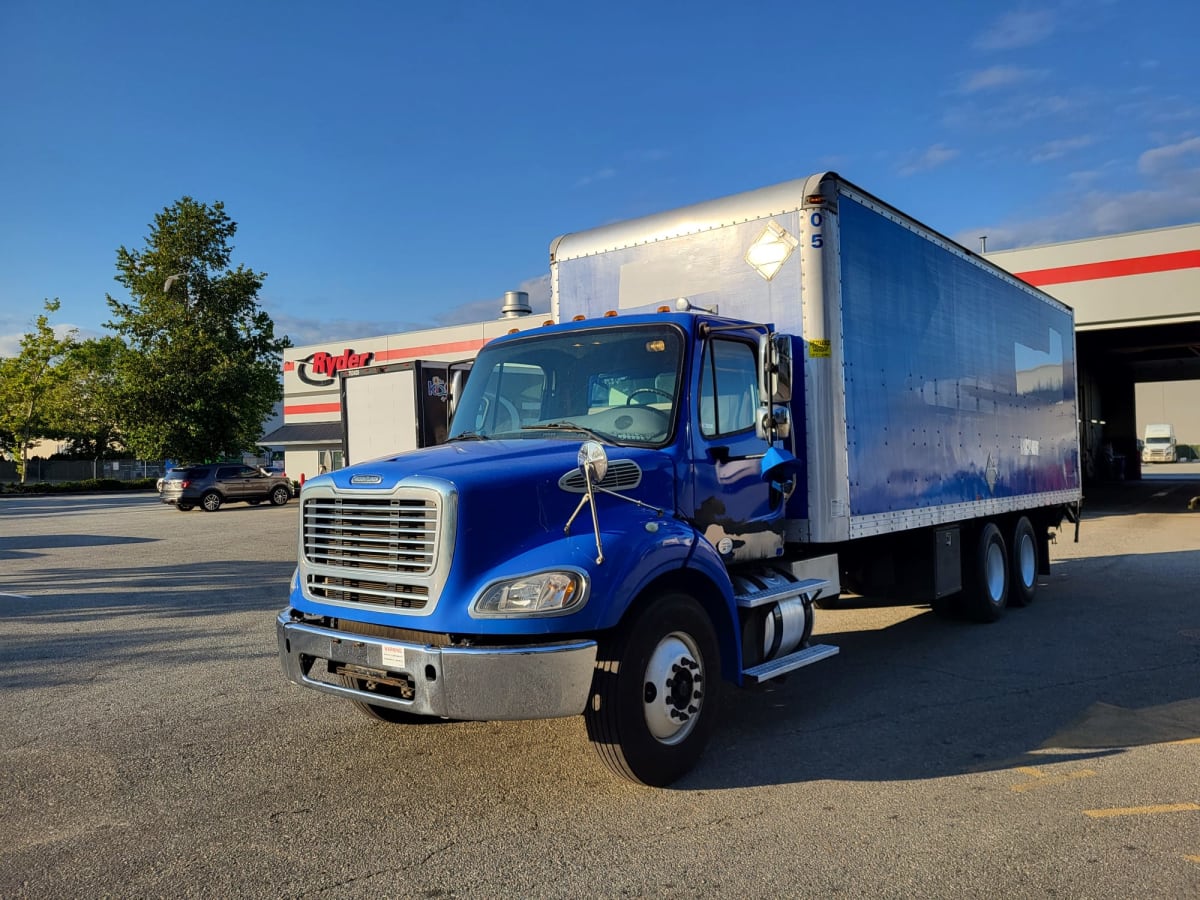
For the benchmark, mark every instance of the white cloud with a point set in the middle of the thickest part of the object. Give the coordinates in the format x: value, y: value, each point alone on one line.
x: 537, y: 288
x: 1060, y: 148
x: 996, y: 77
x: 12, y: 329
x: 306, y: 331
x: 1165, y: 160
x: 931, y: 158
x: 599, y: 175
x: 1017, y: 29
x: 650, y: 154
x: 1097, y: 213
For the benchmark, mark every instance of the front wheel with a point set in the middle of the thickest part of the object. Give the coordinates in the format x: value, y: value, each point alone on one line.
x: 655, y: 692
x: 279, y: 496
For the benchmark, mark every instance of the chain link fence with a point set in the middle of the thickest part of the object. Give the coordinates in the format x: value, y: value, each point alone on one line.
x: 55, y: 470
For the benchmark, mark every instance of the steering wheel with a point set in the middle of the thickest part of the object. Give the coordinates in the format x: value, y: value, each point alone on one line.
x: 664, y: 394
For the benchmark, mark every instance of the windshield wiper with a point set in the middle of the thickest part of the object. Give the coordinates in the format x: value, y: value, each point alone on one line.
x: 570, y: 426
x: 468, y: 436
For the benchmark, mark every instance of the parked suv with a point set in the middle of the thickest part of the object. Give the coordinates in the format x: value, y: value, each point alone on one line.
x: 211, y: 485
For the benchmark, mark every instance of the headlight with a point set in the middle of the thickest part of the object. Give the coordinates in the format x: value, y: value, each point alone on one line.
x: 545, y: 594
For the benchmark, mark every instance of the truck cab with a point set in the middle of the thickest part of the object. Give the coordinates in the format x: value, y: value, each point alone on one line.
x: 600, y: 483
x: 1158, y: 445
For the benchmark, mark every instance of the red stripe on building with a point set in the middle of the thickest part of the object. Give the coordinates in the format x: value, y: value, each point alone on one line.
x: 304, y: 409
x: 1114, y: 268
x: 403, y: 353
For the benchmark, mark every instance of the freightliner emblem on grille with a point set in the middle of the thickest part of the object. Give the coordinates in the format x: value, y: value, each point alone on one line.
x: 366, y: 479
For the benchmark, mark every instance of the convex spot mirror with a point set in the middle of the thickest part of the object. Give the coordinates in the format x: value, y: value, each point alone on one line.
x: 593, y: 461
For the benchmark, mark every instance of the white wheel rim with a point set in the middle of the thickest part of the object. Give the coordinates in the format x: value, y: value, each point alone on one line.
x: 1027, y: 561
x: 672, y: 688
x: 994, y: 571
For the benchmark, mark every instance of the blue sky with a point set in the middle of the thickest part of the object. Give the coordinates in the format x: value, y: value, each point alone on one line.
x: 394, y: 165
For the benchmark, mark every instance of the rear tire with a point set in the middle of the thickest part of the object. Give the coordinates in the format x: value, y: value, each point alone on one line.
x: 655, y: 692
x: 1023, y: 563
x: 985, y: 594
x: 210, y: 502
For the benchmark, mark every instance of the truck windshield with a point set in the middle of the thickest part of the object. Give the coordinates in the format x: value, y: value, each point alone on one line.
x: 617, y: 384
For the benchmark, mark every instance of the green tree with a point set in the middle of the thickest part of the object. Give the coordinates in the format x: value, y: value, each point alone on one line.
x: 201, y: 369
x: 84, y: 402
x: 28, y: 388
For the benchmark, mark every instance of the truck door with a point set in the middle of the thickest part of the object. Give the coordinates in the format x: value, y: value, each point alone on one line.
x: 735, y: 508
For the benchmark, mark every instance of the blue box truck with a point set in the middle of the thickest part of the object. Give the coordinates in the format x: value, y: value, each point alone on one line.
x: 742, y: 409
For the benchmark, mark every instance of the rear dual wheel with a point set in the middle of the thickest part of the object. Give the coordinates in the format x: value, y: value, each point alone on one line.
x: 1000, y: 575
x: 1023, y: 563
x: 985, y: 587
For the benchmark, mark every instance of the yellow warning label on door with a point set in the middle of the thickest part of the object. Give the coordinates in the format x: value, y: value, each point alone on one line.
x: 820, y: 349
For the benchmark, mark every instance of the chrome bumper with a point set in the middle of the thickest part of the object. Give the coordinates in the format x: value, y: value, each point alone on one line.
x: 540, y: 681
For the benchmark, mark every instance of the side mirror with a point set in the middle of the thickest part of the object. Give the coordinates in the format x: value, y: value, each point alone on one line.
x: 457, y: 378
x: 458, y: 373
x: 774, y: 368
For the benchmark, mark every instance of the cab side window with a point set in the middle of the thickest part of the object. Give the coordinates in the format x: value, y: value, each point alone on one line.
x: 728, y: 387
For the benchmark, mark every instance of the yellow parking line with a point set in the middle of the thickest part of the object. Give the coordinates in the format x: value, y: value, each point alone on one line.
x: 1142, y: 810
x: 1195, y: 740
x: 1042, y: 780
x: 1195, y: 859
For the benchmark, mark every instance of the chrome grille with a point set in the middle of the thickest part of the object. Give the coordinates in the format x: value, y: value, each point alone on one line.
x: 372, y: 550
x: 377, y: 593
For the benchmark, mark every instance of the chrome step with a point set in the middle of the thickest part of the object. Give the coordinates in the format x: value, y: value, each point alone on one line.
x: 776, y: 667
x: 809, y: 586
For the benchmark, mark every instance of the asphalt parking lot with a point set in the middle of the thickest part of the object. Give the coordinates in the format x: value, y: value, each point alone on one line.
x: 151, y: 747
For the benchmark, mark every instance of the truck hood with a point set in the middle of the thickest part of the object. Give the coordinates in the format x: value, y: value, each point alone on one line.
x: 518, y: 488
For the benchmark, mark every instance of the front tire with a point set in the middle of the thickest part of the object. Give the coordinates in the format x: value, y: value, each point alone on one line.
x: 279, y: 496
x: 210, y: 502
x: 655, y: 692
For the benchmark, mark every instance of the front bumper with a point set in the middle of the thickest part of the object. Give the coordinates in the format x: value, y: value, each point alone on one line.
x: 541, y: 681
